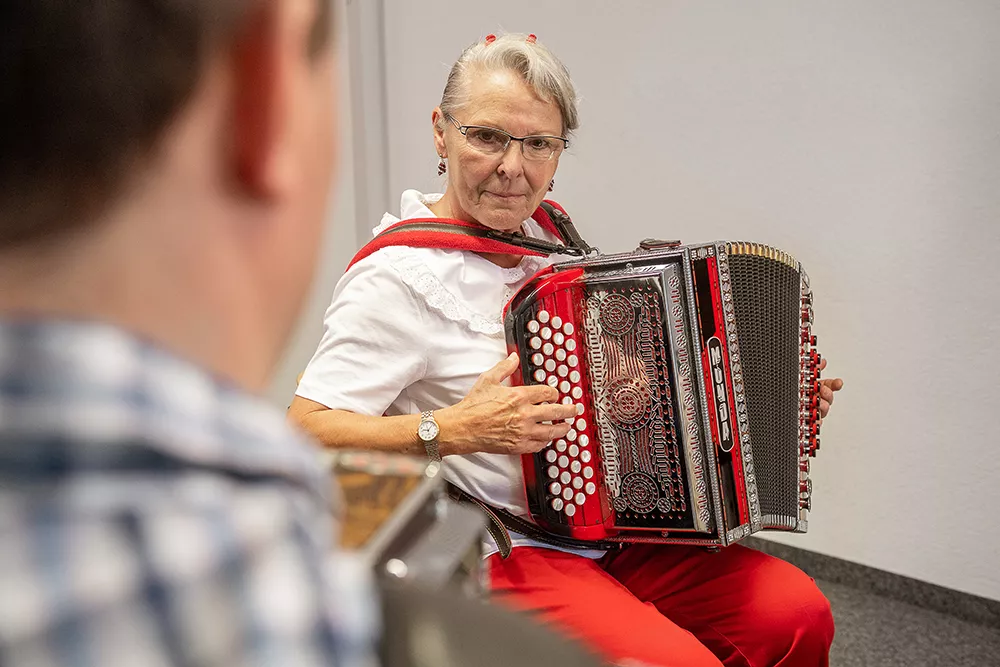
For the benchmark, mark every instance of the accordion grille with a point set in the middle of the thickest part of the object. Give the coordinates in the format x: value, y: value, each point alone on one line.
x: 766, y: 295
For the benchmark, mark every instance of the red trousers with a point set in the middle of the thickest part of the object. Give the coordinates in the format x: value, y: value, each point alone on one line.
x: 674, y: 606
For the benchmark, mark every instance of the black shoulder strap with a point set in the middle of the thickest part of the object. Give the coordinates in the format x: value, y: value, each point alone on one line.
x: 567, y: 229
x: 499, y: 521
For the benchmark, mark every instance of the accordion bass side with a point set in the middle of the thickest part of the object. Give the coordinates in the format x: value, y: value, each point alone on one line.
x: 696, y: 381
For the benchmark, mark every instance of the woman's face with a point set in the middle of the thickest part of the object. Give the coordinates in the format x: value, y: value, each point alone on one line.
x: 501, y: 190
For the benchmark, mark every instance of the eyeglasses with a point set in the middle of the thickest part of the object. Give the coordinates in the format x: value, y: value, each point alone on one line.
x: 489, y: 140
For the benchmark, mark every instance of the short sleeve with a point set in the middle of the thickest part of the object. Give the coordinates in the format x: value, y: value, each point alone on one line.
x: 372, y: 346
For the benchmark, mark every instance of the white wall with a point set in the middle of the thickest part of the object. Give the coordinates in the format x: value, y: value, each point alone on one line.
x: 862, y: 137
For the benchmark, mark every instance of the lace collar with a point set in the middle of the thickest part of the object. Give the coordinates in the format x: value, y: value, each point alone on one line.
x: 462, y: 286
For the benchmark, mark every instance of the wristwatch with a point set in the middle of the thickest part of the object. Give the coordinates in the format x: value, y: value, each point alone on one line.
x: 428, y: 433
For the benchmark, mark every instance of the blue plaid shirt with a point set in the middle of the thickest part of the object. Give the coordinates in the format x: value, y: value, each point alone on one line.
x: 151, y: 516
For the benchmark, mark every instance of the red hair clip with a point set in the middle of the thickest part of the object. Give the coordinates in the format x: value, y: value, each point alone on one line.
x: 490, y: 39
x: 531, y: 39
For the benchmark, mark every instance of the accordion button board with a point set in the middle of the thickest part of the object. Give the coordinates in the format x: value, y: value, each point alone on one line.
x: 688, y: 366
x: 570, y: 459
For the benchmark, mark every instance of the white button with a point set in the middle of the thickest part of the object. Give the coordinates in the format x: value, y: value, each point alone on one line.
x: 560, y: 354
x: 552, y: 381
x: 575, y: 466
x: 548, y: 349
x: 577, y: 393
x: 557, y: 504
x: 573, y: 450
x: 561, y: 445
x: 563, y: 461
x: 565, y: 477
x: 584, y: 440
x: 577, y: 482
x: 590, y: 488
x: 570, y: 510
x: 539, y: 375
x: 567, y: 493
x: 555, y: 488
x: 588, y: 472
x: 556, y: 322
x: 551, y: 456
x: 581, y: 424
x: 566, y: 400
x: 572, y: 360
x: 579, y: 408
x: 571, y: 435
x: 571, y: 345
x: 533, y: 326
x: 562, y: 370
x: 535, y: 343
x: 564, y: 387
x: 550, y: 365
x: 558, y: 338
x: 585, y: 456
x: 538, y: 359
x: 546, y: 333
x: 543, y: 316
x: 568, y: 328
x: 553, y: 472
x: 574, y: 376
x: 580, y: 498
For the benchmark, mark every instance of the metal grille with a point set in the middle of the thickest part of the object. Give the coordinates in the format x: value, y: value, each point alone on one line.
x: 766, y: 299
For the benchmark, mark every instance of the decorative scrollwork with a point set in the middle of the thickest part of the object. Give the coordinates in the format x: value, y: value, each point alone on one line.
x: 617, y: 315
x: 629, y: 402
x: 640, y: 492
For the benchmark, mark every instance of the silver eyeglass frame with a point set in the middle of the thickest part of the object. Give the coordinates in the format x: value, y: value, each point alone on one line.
x: 464, y: 129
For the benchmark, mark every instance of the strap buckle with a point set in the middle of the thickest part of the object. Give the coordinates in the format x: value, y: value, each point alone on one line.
x: 568, y: 231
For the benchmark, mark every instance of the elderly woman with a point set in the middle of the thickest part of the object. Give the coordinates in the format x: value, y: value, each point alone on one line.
x: 414, y: 357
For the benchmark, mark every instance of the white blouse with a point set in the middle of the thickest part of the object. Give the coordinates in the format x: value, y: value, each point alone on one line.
x: 411, y: 329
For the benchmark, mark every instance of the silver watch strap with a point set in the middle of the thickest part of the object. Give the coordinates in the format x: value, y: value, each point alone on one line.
x: 431, y: 447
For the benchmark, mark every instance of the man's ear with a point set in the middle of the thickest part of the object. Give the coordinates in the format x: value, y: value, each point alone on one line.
x: 261, y: 80
x: 438, y: 123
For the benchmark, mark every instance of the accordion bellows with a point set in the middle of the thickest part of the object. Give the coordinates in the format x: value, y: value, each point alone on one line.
x: 696, y: 381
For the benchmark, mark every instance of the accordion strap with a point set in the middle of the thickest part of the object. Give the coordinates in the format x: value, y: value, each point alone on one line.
x: 567, y: 230
x: 446, y: 233
x: 501, y: 520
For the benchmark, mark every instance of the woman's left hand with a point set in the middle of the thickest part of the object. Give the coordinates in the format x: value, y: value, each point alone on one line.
x: 826, y: 392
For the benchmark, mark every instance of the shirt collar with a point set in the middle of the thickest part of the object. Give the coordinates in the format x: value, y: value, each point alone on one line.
x: 415, y: 204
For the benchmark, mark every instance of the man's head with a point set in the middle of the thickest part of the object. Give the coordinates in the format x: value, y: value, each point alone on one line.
x: 194, y: 136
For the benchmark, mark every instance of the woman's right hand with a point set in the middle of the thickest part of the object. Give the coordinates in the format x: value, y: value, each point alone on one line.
x: 497, y: 419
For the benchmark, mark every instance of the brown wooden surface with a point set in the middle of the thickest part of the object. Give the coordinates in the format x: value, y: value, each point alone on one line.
x: 370, y: 500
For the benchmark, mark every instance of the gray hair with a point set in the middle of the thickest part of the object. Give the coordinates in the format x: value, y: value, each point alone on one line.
x: 519, y: 53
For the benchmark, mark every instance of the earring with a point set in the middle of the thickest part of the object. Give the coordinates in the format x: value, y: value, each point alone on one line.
x: 552, y: 185
x: 442, y: 166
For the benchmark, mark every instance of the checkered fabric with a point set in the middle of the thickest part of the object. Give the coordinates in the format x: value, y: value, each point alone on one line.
x: 153, y: 515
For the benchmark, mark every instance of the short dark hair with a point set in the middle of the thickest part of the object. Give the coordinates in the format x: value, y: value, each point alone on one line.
x: 88, y: 87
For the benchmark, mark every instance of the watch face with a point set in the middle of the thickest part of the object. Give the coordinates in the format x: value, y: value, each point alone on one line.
x: 427, y: 431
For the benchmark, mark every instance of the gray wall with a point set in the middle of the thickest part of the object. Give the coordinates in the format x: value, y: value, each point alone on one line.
x: 860, y: 136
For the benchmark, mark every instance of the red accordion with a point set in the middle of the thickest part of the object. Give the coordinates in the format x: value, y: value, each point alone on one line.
x: 696, y: 381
